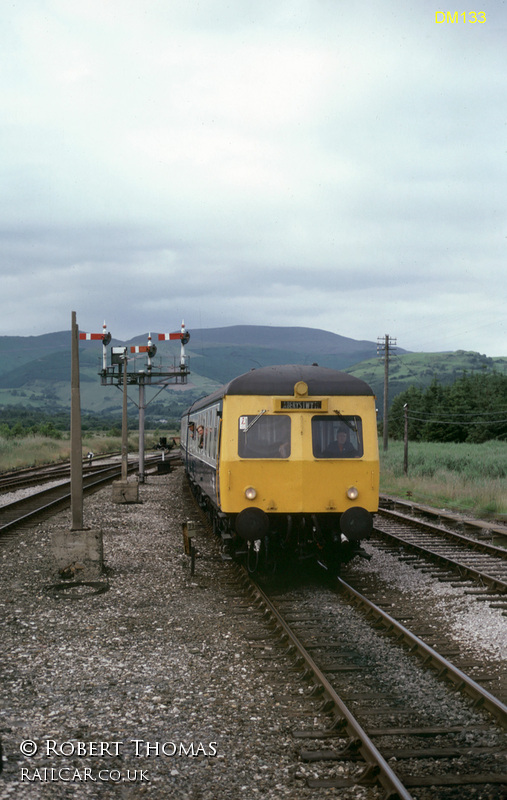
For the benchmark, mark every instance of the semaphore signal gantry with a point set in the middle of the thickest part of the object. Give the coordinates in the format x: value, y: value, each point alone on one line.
x: 118, y: 374
x: 159, y: 374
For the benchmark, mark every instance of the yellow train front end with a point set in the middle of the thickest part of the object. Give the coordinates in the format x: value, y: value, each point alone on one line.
x: 300, y: 469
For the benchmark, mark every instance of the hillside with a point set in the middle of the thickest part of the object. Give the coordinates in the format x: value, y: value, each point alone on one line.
x: 420, y: 369
x: 35, y: 370
x: 222, y: 353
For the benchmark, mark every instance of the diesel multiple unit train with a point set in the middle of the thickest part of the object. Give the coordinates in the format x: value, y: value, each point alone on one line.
x: 285, y: 461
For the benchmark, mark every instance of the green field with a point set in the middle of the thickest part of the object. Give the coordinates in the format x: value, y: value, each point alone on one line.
x: 466, y: 477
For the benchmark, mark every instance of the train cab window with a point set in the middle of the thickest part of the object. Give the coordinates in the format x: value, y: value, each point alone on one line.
x: 264, y: 436
x: 337, y: 437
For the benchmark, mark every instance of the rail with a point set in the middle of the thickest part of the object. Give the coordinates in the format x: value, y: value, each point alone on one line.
x: 49, y: 501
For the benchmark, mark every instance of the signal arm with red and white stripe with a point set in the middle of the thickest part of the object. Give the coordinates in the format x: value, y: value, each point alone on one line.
x: 104, y: 336
x: 150, y: 349
x: 183, y: 335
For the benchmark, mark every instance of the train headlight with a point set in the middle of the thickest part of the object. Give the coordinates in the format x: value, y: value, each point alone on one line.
x: 250, y: 493
x: 352, y: 493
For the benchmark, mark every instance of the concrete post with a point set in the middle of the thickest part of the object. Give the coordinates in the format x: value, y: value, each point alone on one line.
x: 77, y: 552
x: 76, y: 452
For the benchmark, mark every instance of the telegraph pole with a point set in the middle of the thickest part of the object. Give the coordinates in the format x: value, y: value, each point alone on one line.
x: 405, y: 440
x: 385, y: 346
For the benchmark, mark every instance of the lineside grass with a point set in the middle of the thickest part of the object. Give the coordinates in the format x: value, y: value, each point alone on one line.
x: 34, y: 450
x: 465, y: 477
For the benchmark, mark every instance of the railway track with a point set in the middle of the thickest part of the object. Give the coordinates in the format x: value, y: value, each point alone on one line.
x: 400, y: 715
x: 33, y: 476
x: 467, y: 556
x: 491, y: 530
x: 41, y: 504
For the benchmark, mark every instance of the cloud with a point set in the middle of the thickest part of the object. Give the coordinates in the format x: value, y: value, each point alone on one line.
x: 313, y: 163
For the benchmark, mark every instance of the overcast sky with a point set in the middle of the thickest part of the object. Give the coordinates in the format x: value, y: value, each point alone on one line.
x: 323, y: 163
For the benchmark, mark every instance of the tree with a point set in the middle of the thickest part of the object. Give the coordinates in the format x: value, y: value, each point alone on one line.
x: 472, y: 409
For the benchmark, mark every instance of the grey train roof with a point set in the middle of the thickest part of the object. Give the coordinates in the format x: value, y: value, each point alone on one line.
x: 280, y: 380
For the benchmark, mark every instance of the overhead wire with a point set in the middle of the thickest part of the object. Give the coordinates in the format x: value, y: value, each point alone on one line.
x: 457, y: 421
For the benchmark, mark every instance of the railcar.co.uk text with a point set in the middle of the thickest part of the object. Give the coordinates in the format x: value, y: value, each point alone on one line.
x: 75, y: 775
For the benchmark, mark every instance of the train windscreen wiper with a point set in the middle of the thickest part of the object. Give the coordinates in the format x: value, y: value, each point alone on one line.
x: 252, y: 423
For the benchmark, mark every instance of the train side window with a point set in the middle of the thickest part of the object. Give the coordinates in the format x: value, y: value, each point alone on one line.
x: 266, y: 436
x: 337, y: 437
x: 203, y: 434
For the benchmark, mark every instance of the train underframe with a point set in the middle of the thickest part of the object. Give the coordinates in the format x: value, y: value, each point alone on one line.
x: 268, y: 540
x: 295, y: 538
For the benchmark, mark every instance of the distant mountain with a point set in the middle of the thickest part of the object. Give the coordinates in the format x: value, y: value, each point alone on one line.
x: 300, y: 340
x: 222, y: 353
x: 35, y: 370
x: 18, y: 350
